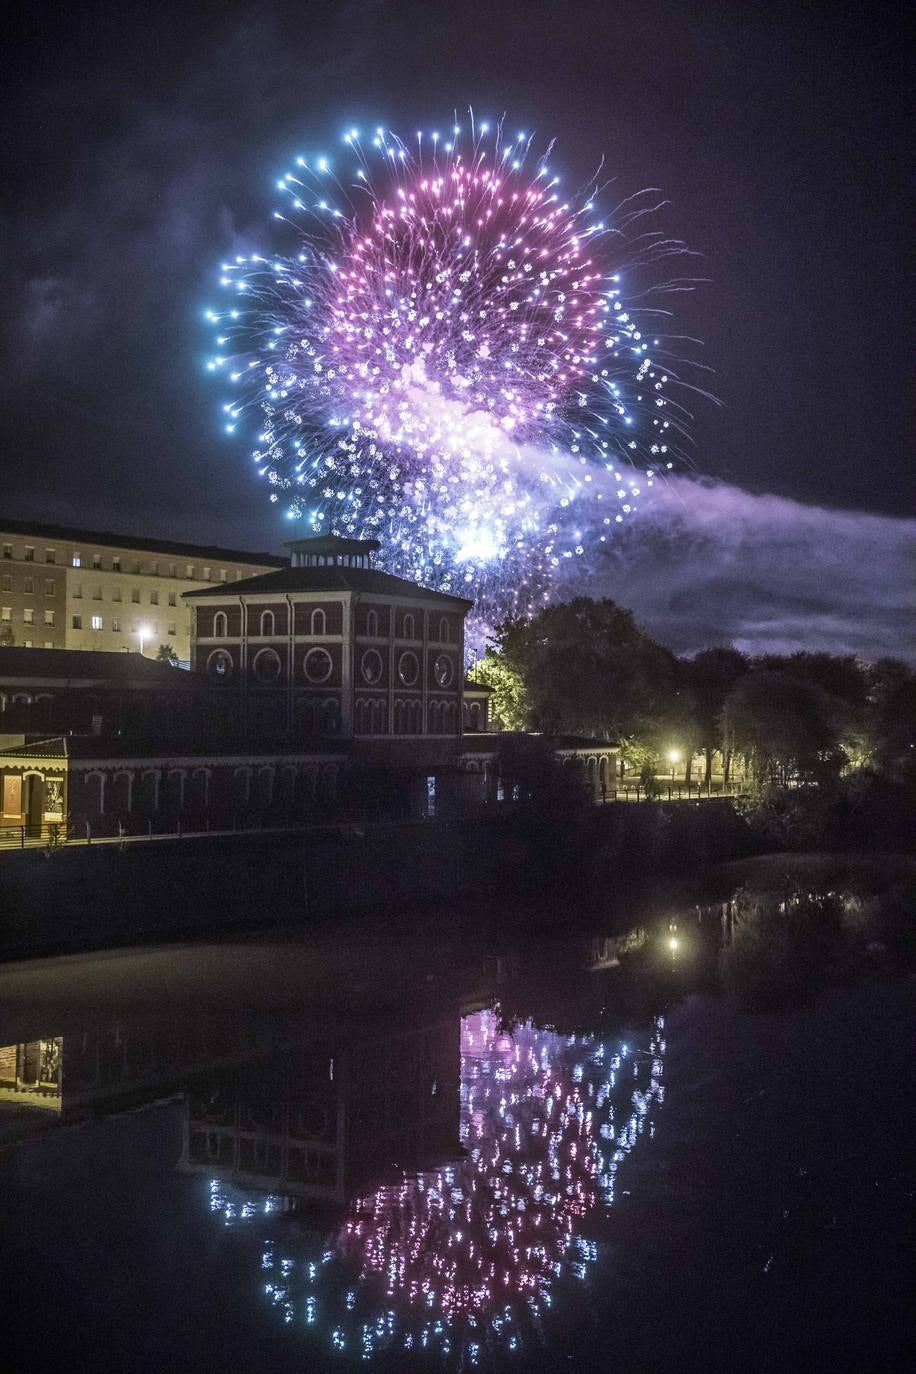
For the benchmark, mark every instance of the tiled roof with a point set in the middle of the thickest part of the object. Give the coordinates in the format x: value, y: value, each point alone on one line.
x: 55, y: 748
x: 63, y: 533
x: 333, y: 579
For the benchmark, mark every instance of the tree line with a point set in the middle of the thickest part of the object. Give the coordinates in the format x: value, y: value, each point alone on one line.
x: 586, y: 667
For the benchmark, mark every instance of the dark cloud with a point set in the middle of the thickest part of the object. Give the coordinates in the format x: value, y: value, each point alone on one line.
x: 705, y: 564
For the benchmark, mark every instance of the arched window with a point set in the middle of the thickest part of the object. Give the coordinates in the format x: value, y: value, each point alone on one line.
x: 319, y: 623
x: 330, y: 717
x: 443, y: 631
x: 267, y: 622
x: 267, y: 665
x: 318, y: 665
x: 408, y: 628
x: 361, y: 709
x: 220, y: 625
x: 372, y: 624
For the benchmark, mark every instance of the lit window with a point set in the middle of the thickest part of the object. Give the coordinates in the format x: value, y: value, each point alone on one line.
x: 77, y: 622
x: 77, y: 561
x: 96, y: 622
x: 206, y: 574
x: 6, y: 612
x: 49, y: 617
x: 49, y: 644
x: 28, y: 616
x: 116, y: 563
x: 189, y: 570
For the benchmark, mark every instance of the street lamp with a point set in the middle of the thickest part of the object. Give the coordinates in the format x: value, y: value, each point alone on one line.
x: 673, y: 758
x: 144, y: 633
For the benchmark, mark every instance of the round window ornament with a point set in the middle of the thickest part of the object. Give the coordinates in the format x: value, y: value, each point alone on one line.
x: 317, y: 665
x: 371, y: 666
x: 219, y: 664
x: 443, y: 670
x: 408, y: 668
x: 267, y: 665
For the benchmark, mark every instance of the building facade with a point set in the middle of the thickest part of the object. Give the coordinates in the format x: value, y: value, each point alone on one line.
x: 332, y: 648
x: 72, y: 589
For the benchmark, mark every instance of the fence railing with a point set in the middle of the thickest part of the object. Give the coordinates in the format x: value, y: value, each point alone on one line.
x: 49, y: 834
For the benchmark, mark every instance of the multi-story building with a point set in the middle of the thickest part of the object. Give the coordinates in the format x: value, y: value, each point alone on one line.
x: 73, y: 589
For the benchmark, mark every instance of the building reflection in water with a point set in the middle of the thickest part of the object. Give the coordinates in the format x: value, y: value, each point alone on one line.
x: 462, y: 1258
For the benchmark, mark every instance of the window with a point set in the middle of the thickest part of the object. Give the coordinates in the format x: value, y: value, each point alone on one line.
x: 116, y: 563
x: 135, y: 595
x: 49, y: 617
x: 220, y: 625
x: 189, y: 570
x: 172, y: 599
x: 77, y: 622
x: 77, y: 561
x: 154, y: 598
x: 6, y: 612
x: 96, y: 622
x: 136, y: 566
x: 444, y: 635
x: 7, y: 550
x: 50, y: 555
x: 28, y: 586
x: 267, y: 622
x: 267, y: 665
x: 408, y: 627
x: 206, y: 574
x: 318, y: 665
x: 443, y: 670
x: 408, y: 668
x: 319, y: 623
x: 49, y: 586
x: 28, y: 616
x: 30, y: 553
x: 77, y: 589
x: 219, y: 664
x: 371, y: 665
x: 49, y: 644
x: 222, y: 574
x: 97, y: 593
x: 172, y: 630
x: 96, y: 560
x: 154, y: 569
x: 27, y: 644
x: 116, y: 593
x: 7, y: 582
x: 372, y: 624
x: 116, y: 626
x: 172, y: 570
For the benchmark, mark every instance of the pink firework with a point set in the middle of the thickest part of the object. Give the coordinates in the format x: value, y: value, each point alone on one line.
x: 458, y: 359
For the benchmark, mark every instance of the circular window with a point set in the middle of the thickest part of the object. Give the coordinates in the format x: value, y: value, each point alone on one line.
x: 219, y: 664
x: 443, y: 671
x: 408, y: 668
x: 371, y: 664
x: 267, y: 665
x: 317, y: 665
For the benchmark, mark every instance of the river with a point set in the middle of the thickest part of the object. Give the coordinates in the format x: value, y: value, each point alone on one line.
x: 671, y: 1139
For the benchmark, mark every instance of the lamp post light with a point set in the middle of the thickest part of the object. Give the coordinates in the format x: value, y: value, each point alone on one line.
x: 674, y: 757
x: 143, y: 634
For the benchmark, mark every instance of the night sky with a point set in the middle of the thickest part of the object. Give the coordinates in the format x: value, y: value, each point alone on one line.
x: 141, y: 145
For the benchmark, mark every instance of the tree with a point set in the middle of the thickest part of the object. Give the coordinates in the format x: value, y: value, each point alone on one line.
x: 889, y: 724
x: 784, y: 726
x: 508, y: 702
x: 587, y: 668
x: 842, y: 680
x: 710, y: 676
x: 167, y: 654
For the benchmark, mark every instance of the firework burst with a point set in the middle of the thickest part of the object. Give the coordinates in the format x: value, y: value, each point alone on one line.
x: 458, y: 359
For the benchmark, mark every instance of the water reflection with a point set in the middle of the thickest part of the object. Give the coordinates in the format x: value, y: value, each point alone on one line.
x: 405, y: 1168
x: 462, y: 1259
